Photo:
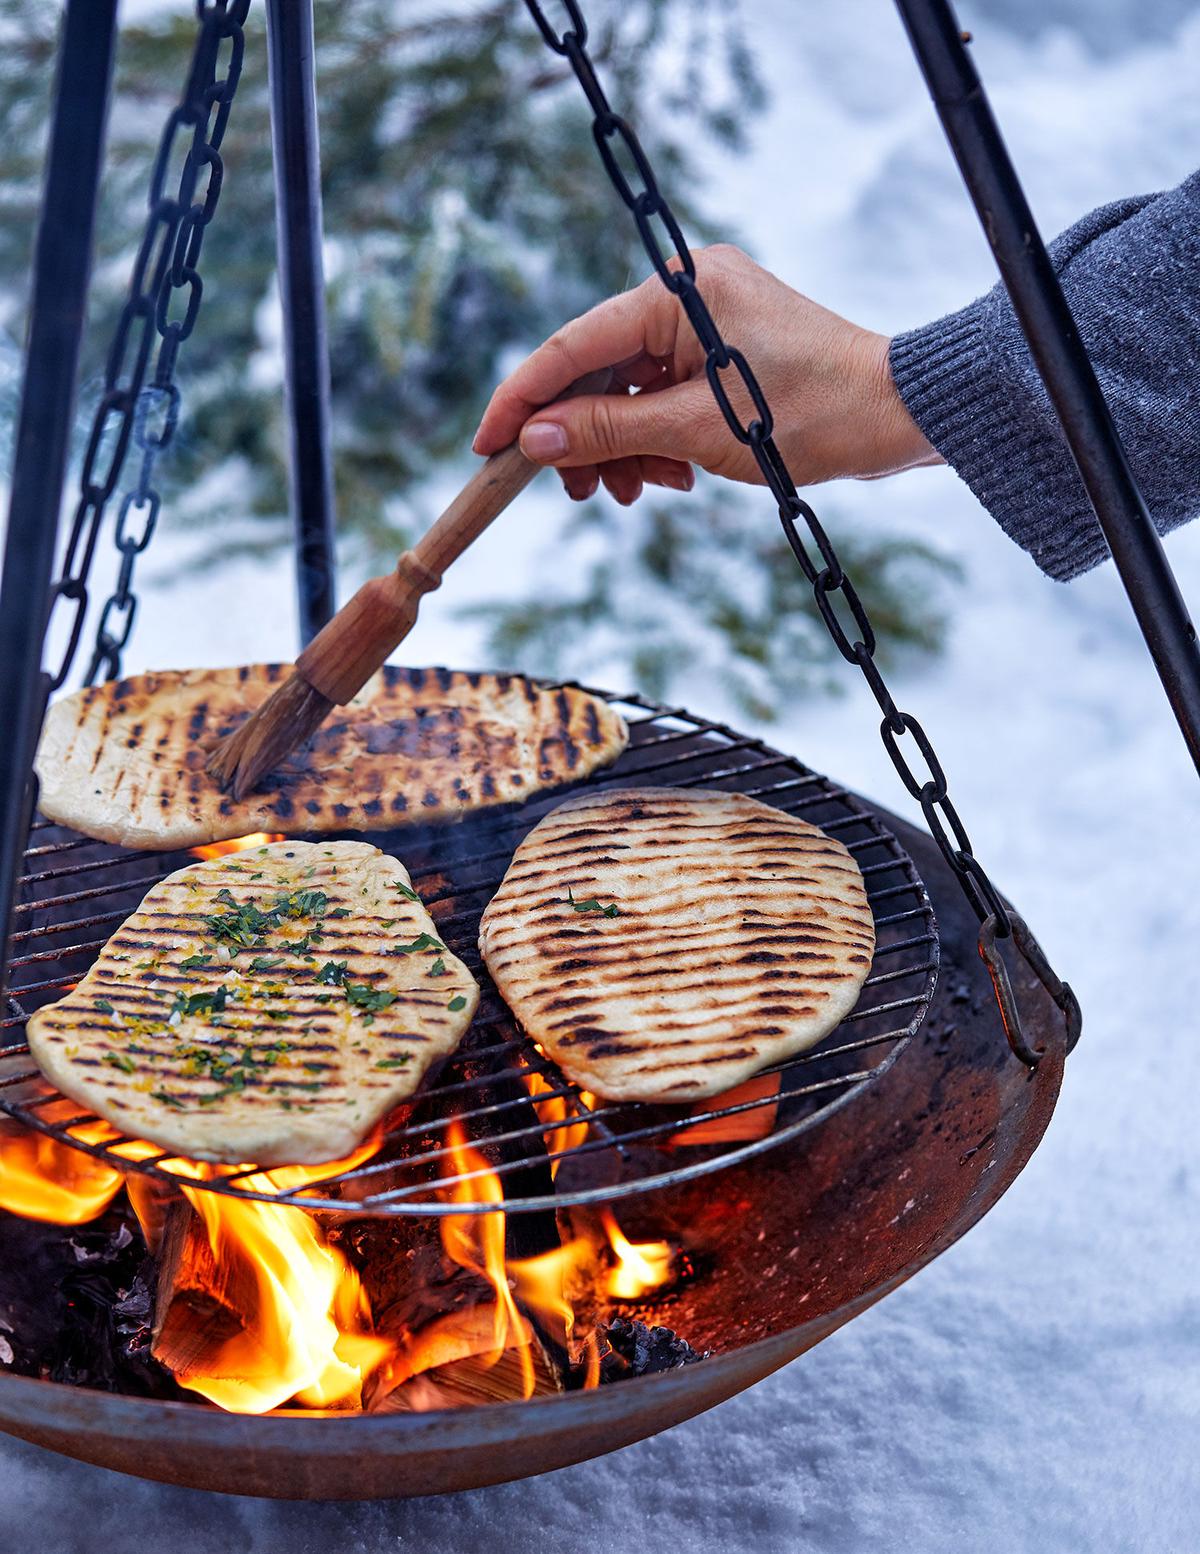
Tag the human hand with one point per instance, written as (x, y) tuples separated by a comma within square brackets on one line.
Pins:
[(836, 409)]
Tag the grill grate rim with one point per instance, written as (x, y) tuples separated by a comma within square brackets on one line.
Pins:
[(906, 934)]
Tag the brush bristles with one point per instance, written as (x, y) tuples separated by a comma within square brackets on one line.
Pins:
[(285, 720)]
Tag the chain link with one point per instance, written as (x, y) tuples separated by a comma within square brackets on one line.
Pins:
[(131, 409), (646, 202)]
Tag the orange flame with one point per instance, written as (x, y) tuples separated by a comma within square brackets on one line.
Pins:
[(307, 1336), (304, 1329), (522, 1289), (535, 1285), (236, 844), (639, 1267), (307, 1328), (45, 1180), (476, 1241), (552, 1113)]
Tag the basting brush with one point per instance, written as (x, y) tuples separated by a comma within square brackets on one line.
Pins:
[(343, 656)]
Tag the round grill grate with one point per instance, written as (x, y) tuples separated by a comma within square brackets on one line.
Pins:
[(549, 1144)]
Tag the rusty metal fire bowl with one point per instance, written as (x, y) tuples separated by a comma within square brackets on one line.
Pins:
[(789, 1243)]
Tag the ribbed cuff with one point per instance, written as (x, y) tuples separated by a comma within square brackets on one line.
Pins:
[(956, 392)]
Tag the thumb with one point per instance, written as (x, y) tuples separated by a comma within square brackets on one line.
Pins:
[(596, 428)]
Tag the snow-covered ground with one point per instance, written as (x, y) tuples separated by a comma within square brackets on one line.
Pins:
[(1038, 1388)]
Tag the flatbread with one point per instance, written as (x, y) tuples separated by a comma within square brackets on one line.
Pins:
[(267, 1007), (124, 761), (663, 944)]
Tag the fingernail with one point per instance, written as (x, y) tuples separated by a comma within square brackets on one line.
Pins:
[(543, 441), (680, 481)]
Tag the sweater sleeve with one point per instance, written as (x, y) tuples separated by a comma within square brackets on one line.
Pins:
[(1131, 275)]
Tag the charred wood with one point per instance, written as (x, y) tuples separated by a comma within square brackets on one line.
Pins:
[(76, 1302), (630, 1348)]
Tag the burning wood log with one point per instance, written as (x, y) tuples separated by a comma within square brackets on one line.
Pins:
[(204, 1304), (467, 1359), (200, 1300), (442, 1290), (409, 1280), (151, 1198), (440, 1295), (255, 1308)]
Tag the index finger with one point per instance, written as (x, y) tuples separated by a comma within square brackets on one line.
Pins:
[(636, 323)]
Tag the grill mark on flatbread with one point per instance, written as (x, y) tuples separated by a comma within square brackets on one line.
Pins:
[(415, 746), (742, 935), (288, 1071)]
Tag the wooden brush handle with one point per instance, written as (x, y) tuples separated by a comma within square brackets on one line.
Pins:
[(340, 660)]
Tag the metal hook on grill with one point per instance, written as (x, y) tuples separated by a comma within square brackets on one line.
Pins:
[(1035, 959)]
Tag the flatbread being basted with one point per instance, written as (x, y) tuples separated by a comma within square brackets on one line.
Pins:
[(266, 1007), (124, 761), (663, 944)]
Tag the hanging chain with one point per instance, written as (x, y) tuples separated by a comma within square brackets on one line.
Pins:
[(827, 577), (163, 299)]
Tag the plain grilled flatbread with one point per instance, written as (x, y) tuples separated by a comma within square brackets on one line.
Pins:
[(267, 1007), (664, 944), (125, 761)]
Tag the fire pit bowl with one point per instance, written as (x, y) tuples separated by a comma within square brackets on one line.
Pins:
[(810, 1234)]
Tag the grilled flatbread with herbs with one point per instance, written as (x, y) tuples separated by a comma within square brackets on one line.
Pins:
[(266, 1007), (125, 761), (664, 944)]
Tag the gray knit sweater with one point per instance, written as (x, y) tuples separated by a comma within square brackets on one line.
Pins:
[(1131, 274)]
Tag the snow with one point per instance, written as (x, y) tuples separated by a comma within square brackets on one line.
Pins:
[(1035, 1389)]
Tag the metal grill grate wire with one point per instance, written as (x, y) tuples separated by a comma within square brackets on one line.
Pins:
[(75, 892)]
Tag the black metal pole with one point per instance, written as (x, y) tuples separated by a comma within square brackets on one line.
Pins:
[(62, 262), (1062, 361), (302, 290)]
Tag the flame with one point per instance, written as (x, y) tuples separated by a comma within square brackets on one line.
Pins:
[(521, 1289), (525, 1288), (755, 1122), (292, 1320), (476, 1241), (552, 1113), (307, 1335), (236, 844), (45, 1180), (640, 1267)]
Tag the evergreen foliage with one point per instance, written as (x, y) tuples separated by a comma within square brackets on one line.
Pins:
[(466, 217)]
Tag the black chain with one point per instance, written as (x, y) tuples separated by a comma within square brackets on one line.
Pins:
[(827, 577), (165, 266)]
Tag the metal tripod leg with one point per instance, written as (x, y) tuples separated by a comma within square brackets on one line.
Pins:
[(61, 269), (302, 290), (1062, 361)]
